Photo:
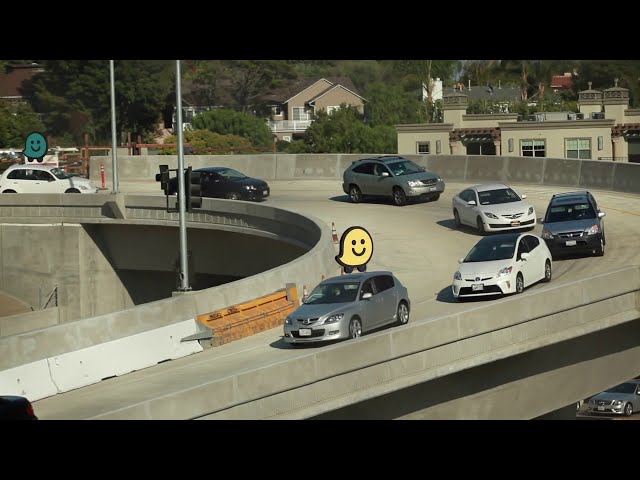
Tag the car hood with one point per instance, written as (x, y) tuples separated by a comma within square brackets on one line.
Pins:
[(610, 396), (506, 208), (483, 269), (419, 176), (249, 181), (320, 310), (571, 226)]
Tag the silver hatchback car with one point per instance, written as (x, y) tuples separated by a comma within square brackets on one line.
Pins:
[(347, 307)]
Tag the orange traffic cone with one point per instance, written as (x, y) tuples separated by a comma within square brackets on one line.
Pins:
[(322, 278), (305, 294), (334, 233)]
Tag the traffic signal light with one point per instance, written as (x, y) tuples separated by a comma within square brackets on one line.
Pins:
[(193, 189), (163, 178)]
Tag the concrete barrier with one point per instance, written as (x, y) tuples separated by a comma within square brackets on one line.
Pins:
[(25, 322), (600, 174)]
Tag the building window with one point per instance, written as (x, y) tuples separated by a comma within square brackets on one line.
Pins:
[(276, 110), (510, 145), (286, 138), (532, 148), (438, 147), (600, 143), (299, 114), (422, 148), (578, 148), (332, 109)]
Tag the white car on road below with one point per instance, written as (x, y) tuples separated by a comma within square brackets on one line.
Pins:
[(502, 264), (43, 179), (492, 207)]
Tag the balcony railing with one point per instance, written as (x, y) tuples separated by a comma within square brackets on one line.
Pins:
[(289, 125)]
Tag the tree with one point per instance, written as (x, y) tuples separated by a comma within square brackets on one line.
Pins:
[(391, 105), (214, 143), (206, 77), (226, 121), (16, 123)]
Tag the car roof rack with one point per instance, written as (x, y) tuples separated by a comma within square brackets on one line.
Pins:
[(571, 194)]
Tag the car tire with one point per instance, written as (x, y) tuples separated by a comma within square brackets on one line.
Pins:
[(547, 272), (232, 196), (399, 197), (355, 194), (72, 190), (9, 191), (402, 315), (456, 218), (600, 250), (355, 328), (435, 198), (480, 226), (628, 409), (519, 283)]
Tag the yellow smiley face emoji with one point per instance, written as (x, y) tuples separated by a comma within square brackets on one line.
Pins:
[(356, 248)]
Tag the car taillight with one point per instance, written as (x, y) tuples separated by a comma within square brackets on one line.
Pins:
[(30, 409)]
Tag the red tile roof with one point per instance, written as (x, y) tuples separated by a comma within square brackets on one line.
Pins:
[(11, 82), (561, 81)]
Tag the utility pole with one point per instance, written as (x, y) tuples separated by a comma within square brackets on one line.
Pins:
[(114, 142), (184, 265)]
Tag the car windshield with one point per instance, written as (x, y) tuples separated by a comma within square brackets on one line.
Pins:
[(404, 167), (570, 212), (61, 174), (231, 173), (487, 251), (499, 195), (623, 388), (333, 292)]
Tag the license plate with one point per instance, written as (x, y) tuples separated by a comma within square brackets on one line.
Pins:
[(571, 243), (265, 192), (515, 224), (477, 286), (432, 189), (304, 332), (600, 408)]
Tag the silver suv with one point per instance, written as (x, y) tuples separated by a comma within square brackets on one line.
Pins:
[(390, 176)]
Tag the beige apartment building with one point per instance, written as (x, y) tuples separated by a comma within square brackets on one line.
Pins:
[(605, 128)]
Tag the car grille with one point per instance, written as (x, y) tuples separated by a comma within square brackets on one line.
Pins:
[(431, 181), (571, 234), (487, 289), (314, 333), (603, 402), (513, 216), (502, 225), (307, 321), (478, 279)]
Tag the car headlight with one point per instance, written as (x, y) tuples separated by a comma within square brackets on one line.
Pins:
[(251, 187), (504, 272), (334, 318), (618, 402), (593, 230), (547, 234), (457, 276), (490, 215), (414, 183), (288, 321), (530, 211), (440, 179)]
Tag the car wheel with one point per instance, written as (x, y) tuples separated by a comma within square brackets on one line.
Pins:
[(519, 283), (355, 194), (403, 314), (399, 197), (355, 328), (480, 226), (547, 272), (600, 250), (456, 219), (72, 190), (628, 409), (232, 196), (435, 198)]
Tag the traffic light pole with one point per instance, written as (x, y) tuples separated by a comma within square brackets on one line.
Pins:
[(184, 265)]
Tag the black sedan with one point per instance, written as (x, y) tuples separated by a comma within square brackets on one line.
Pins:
[(224, 182), (14, 407)]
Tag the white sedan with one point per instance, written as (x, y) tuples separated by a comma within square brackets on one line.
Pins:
[(493, 207), (502, 264)]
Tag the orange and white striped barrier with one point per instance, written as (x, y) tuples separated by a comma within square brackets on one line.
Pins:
[(334, 233)]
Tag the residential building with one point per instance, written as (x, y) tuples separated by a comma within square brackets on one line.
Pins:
[(12, 82), (293, 108), (605, 128)]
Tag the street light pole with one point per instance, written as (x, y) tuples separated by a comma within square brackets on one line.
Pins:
[(184, 266), (114, 143)]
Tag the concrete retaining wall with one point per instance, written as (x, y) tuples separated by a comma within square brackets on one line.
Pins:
[(25, 322), (598, 174)]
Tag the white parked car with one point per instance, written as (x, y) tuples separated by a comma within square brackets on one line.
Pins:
[(493, 207), (43, 179), (502, 264)]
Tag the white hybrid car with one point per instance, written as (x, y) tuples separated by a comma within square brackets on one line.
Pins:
[(43, 179), (502, 264), (493, 207)]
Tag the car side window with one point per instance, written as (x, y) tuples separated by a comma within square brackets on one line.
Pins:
[(366, 168), (367, 287), (532, 242), (42, 175), (467, 195), (16, 175), (522, 248), (383, 282)]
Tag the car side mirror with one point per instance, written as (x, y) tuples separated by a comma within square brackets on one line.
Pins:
[(601, 214), (471, 203), (461, 260), (422, 169), (385, 174), (523, 196), (366, 296), (524, 255), (51, 179)]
